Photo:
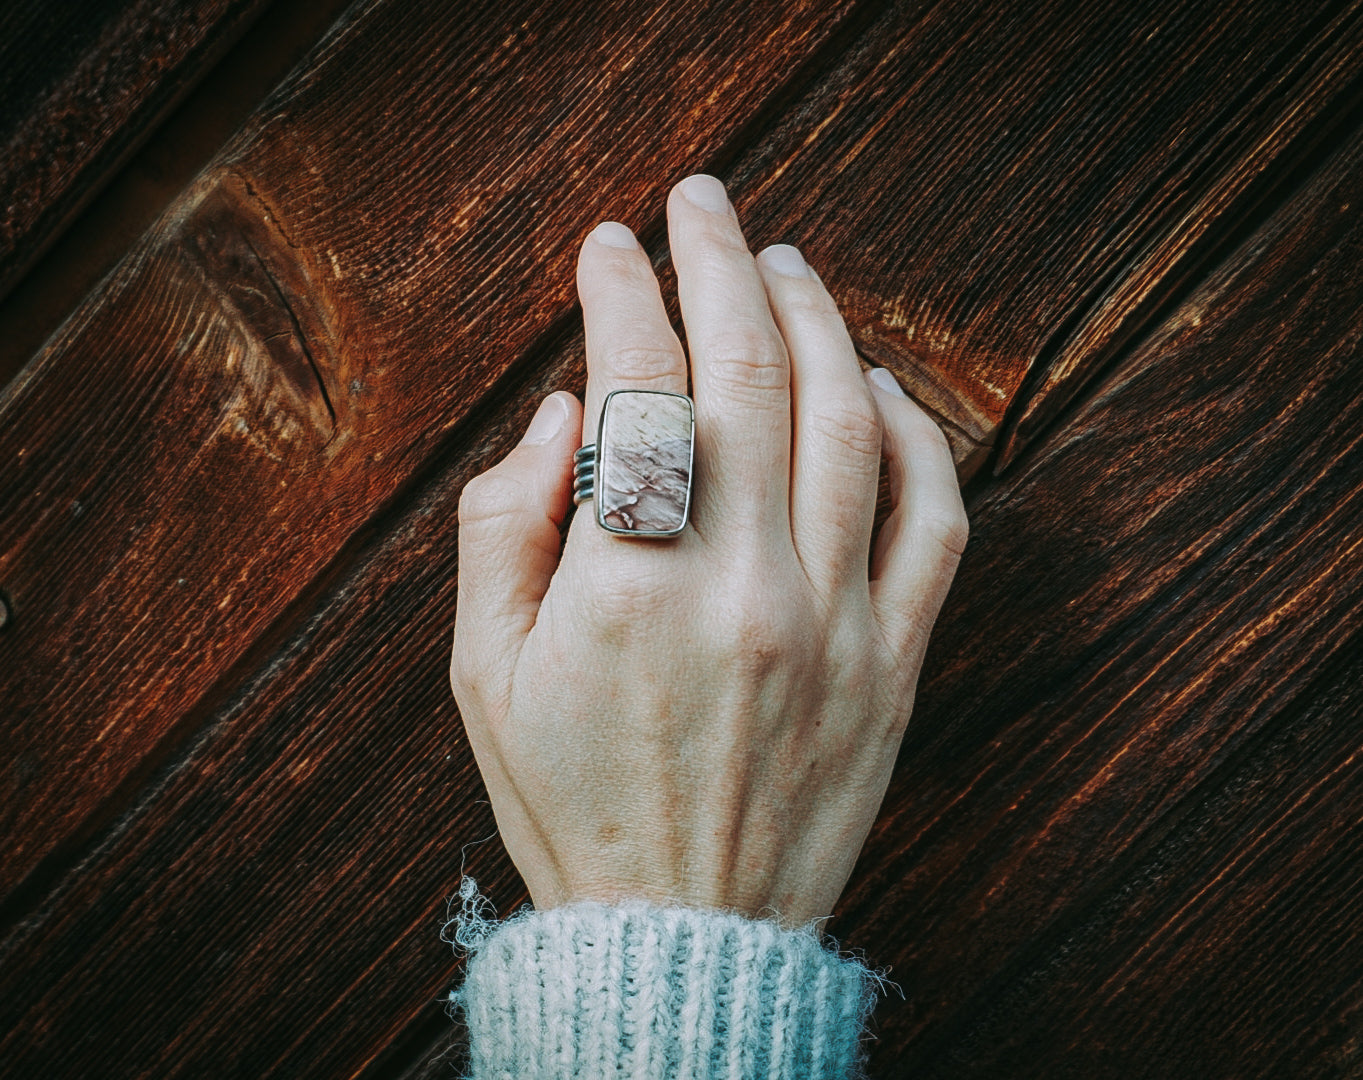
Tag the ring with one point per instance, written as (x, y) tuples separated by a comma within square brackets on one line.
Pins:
[(645, 446)]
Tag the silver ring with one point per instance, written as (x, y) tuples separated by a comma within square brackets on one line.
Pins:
[(584, 469), (645, 449)]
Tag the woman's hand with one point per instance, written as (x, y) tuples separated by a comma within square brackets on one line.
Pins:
[(711, 719)]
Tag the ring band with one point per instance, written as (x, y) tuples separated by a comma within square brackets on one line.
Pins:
[(639, 470), (584, 469)]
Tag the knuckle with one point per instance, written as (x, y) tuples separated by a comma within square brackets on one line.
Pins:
[(489, 496), (949, 528), (848, 425), (618, 603), (755, 632), (722, 242), (643, 363), (752, 638), (748, 359), (924, 429)]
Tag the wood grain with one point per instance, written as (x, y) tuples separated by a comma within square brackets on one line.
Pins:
[(1147, 661), (82, 84), (1122, 838), (1119, 843), (308, 323), (103, 232), (301, 329), (988, 180), (1246, 163)]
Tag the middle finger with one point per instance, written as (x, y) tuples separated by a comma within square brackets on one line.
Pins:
[(740, 370)]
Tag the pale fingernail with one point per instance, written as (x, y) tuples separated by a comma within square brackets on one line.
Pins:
[(613, 234), (706, 192), (787, 260), (886, 381), (548, 421)]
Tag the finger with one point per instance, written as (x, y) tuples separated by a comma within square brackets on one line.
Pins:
[(837, 439), (922, 540), (739, 366), (509, 521), (630, 341)]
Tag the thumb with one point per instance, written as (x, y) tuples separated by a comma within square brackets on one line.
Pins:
[(509, 522)]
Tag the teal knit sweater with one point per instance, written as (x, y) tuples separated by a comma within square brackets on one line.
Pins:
[(590, 991)]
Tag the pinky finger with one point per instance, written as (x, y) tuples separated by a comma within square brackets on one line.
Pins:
[(921, 542)]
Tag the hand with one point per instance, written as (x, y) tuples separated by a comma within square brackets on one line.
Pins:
[(711, 719)]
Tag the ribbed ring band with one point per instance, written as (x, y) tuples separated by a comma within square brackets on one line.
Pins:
[(584, 472)]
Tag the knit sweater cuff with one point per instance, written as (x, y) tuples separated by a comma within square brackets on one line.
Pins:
[(593, 990)]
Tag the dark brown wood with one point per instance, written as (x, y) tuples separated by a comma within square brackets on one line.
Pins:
[(1120, 842), (1321, 79), (116, 218), (308, 323), (82, 83), (302, 328), (991, 179), (1123, 837)]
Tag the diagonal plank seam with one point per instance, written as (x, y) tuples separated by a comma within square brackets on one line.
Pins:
[(200, 720), (1289, 171), (132, 198), (1097, 894), (1123, 636)]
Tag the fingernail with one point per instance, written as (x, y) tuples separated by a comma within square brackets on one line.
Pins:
[(613, 234), (706, 192), (886, 381), (547, 423), (787, 260)]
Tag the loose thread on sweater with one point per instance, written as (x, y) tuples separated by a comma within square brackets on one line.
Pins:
[(471, 926), (466, 929)]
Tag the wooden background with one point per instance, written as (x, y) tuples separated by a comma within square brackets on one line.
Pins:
[(279, 277)]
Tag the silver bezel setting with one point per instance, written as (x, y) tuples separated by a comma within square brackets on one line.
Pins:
[(586, 459)]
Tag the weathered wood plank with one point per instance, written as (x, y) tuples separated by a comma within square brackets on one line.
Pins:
[(82, 83), (302, 328), (1322, 81), (328, 804), (103, 232), (316, 315), (1121, 840), (1129, 773), (990, 178)]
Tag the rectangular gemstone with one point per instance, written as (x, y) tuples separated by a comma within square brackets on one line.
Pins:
[(643, 462)]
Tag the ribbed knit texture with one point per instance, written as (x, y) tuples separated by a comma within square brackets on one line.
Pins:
[(636, 990)]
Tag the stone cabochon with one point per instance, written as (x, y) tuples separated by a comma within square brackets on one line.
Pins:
[(643, 461)]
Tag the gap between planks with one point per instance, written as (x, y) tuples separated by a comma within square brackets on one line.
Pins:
[(1289, 173), (154, 175), (235, 76)]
